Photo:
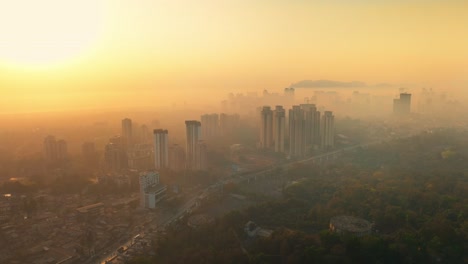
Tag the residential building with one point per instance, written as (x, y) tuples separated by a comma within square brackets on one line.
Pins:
[(193, 131), (328, 130), (176, 158), (210, 126), (296, 132), (311, 126), (161, 151), (266, 128), (151, 191), (140, 157), (279, 128), (127, 132), (402, 105)]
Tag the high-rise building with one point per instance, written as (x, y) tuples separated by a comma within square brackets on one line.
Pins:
[(140, 157), (266, 128), (311, 125), (50, 148), (144, 135), (193, 131), (161, 151), (62, 150), (402, 105), (210, 126), (127, 132), (201, 157), (328, 130), (279, 128), (176, 158), (55, 150), (151, 191), (296, 132), (115, 155)]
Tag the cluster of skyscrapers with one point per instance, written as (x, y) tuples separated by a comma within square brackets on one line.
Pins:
[(55, 150), (303, 127)]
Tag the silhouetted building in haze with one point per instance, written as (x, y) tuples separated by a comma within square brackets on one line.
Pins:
[(266, 128), (328, 130), (402, 105), (209, 126), (193, 131), (127, 132), (176, 158), (279, 128), (55, 150), (296, 132)]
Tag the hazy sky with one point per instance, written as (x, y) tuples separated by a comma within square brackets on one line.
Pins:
[(57, 54)]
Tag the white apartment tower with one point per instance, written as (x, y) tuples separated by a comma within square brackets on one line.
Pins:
[(161, 155)]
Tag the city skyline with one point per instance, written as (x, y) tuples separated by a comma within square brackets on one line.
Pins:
[(54, 59)]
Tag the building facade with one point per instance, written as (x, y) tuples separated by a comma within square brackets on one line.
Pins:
[(279, 128), (209, 126), (193, 131), (296, 132), (402, 105), (151, 191), (161, 150), (127, 132), (266, 128), (328, 130)]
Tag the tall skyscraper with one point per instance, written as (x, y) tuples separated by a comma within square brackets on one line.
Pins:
[(210, 126), (328, 130), (296, 132), (193, 131), (402, 105), (176, 157), (161, 151), (144, 135), (266, 128), (55, 150), (201, 157), (279, 128), (127, 132), (50, 148), (62, 150), (115, 155), (311, 125)]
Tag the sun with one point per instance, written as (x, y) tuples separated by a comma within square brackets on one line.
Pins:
[(47, 32)]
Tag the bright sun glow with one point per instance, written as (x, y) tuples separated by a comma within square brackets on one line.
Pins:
[(47, 31)]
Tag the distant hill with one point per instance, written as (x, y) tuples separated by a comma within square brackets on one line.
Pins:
[(326, 83)]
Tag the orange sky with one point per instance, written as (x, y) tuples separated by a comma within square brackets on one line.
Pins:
[(89, 53)]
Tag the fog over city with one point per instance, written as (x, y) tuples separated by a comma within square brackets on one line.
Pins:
[(233, 132)]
